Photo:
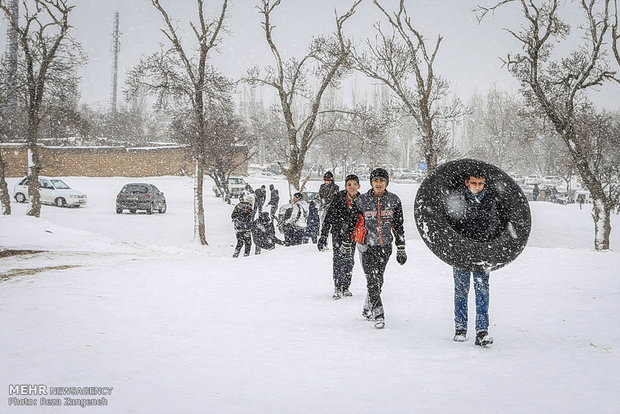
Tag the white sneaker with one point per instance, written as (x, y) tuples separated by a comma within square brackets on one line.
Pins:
[(379, 323), (460, 335), (337, 294)]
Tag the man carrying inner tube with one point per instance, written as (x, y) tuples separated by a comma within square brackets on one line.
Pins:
[(474, 216), (382, 215)]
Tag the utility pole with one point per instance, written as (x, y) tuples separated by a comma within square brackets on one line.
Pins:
[(11, 56), (116, 47)]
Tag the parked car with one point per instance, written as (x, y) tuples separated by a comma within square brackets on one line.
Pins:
[(235, 186), (52, 191), (532, 179), (403, 174), (140, 196)]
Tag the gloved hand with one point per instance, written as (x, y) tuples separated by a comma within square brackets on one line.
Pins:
[(346, 247), (322, 244), (401, 255)]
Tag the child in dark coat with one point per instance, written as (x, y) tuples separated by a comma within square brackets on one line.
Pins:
[(242, 219), (264, 234)]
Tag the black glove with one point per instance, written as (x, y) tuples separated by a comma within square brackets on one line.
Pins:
[(401, 255), (346, 247), (322, 244)]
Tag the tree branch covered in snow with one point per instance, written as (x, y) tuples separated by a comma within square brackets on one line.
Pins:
[(556, 87), (326, 60)]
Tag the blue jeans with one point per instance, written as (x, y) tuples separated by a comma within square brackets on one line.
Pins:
[(461, 290)]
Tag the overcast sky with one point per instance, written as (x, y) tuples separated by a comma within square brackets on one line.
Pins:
[(469, 56)]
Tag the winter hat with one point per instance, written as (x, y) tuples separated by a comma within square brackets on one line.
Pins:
[(271, 186), (352, 177), (380, 173), (298, 195), (328, 176), (248, 199)]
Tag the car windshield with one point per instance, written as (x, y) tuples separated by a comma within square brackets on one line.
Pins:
[(133, 188), (235, 180), (60, 184)]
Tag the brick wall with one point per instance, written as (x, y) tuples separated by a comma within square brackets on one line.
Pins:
[(102, 161)]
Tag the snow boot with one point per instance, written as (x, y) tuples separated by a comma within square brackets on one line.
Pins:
[(380, 322), (460, 335), (483, 338), (346, 292), (337, 293)]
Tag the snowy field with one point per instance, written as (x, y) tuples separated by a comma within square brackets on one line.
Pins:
[(131, 302)]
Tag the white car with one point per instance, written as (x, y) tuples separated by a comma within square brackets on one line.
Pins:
[(53, 191), (236, 185)]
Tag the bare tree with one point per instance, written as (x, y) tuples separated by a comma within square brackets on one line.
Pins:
[(494, 130), (557, 88), (179, 76), (290, 78), (228, 145), (402, 53), (615, 33), (49, 57)]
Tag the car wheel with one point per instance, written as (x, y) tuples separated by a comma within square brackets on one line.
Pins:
[(119, 210), (132, 211), (20, 198), (149, 209), (163, 208), (60, 202)]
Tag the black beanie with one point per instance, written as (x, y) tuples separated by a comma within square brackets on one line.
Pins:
[(380, 173), (351, 177), (328, 176)]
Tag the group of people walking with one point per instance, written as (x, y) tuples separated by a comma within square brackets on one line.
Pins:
[(370, 223)]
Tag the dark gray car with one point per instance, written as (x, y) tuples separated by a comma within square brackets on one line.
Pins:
[(140, 196)]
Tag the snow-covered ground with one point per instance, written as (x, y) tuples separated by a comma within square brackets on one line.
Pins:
[(131, 302)]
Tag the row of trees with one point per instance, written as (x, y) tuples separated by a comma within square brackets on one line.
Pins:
[(196, 96)]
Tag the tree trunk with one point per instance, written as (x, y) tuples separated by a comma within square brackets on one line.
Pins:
[(34, 167), (601, 214), (6, 197), (600, 203), (199, 211)]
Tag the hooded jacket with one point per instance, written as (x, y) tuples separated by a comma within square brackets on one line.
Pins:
[(383, 218)]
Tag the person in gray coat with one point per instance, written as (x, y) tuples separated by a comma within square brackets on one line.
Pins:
[(383, 223)]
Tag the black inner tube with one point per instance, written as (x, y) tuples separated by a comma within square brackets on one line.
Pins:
[(433, 206)]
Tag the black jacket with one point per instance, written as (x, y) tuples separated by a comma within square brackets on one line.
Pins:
[(263, 232), (275, 197), (338, 216), (383, 216), (261, 195), (326, 194), (474, 217), (242, 216)]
